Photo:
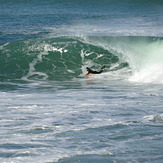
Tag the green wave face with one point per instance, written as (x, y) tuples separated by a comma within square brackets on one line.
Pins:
[(65, 58), (59, 58)]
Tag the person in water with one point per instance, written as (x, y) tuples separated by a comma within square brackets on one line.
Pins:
[(90, 71)]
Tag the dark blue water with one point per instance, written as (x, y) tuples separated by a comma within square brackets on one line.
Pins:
[(31, 19), (49, 111)]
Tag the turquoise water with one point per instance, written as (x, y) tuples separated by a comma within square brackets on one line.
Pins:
[(50, 112)]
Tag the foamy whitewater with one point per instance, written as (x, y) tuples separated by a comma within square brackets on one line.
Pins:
[(50, 112)]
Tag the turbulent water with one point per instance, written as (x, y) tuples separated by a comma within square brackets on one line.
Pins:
[(51, 112)]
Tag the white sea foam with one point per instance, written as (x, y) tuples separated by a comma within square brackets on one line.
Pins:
[(149, 74), (148, 66)]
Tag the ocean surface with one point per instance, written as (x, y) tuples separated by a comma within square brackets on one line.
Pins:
[(50, 112)]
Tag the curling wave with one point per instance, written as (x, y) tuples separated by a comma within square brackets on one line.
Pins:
[(65, 58), (60, 58)]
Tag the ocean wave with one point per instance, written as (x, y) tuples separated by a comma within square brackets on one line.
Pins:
[(65, 58), (58, 58)]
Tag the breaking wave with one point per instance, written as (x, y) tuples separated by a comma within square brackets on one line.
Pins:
[(137, 59)]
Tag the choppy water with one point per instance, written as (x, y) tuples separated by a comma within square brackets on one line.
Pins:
[(49, 112)]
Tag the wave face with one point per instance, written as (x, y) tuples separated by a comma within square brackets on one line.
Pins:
[(59, 58), (65, 58)]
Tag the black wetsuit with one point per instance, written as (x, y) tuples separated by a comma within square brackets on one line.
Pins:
[(90, 71)]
